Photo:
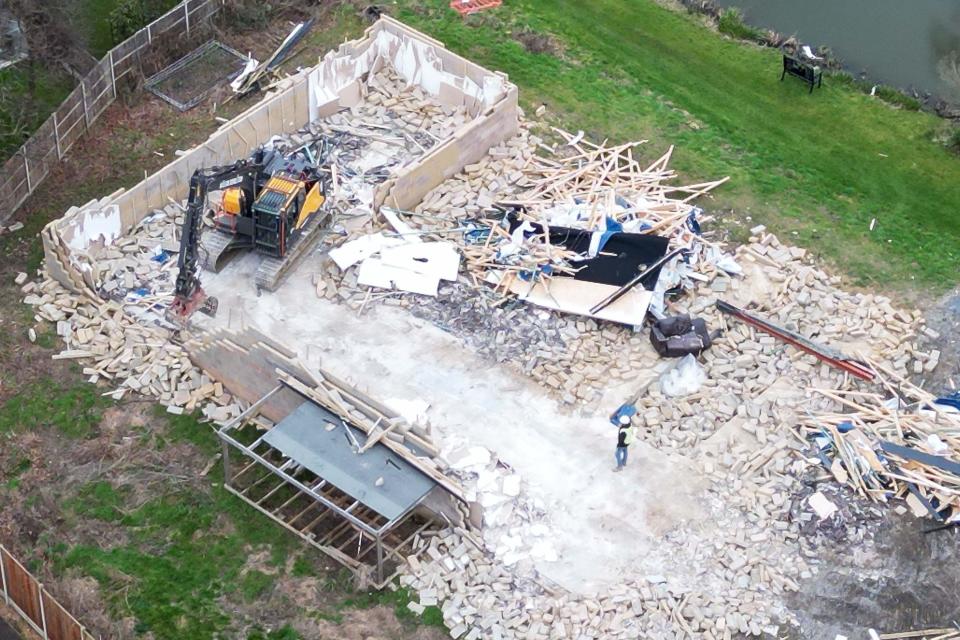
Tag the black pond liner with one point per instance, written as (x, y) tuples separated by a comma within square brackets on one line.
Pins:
[(629, 254)]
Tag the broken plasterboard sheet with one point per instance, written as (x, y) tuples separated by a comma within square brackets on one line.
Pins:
[(374, 273), (89, 226), (352, 252), (579, 296), (438, 259), (413, 410)]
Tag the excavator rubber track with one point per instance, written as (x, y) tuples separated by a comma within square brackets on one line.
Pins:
[(272, 270), (216, 247)]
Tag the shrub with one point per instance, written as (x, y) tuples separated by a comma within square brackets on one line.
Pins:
[(896, 97), (953, 140), (129, 16)]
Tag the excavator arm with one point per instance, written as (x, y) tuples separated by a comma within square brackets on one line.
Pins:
[(188, 294)]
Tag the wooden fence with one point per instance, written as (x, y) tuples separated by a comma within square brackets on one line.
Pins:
[(26, 169), (26, 596)]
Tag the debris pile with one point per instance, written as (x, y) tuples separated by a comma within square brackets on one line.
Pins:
[(569, 232), (123, 353), (526, 226), (390, 127), (124, 283), (899, 444)]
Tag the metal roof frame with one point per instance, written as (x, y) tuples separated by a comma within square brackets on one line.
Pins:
[(273, 476)]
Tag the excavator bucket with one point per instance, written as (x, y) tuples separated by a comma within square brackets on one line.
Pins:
[(311, 205)]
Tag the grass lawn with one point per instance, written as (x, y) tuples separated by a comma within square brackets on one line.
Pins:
[(183, 558), (95, 24), (815, 168)]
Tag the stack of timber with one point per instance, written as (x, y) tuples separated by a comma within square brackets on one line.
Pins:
[(586, 183)]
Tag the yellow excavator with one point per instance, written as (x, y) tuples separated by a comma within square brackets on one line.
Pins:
[(271, 203)]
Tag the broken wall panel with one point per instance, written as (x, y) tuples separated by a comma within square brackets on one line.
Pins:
[(466, 147)]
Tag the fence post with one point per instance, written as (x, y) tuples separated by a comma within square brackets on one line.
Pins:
[(43, 615), (113, 77), (149, 35), (186, 15), (26, 167), (3, 578), (83, 101), (56, 135)]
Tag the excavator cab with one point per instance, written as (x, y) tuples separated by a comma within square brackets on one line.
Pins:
[(275, 213), (269, 202), (232, 207)]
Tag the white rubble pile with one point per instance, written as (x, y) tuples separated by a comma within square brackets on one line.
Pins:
[(513, 527)]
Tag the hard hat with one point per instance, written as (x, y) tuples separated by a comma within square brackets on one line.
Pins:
[(624, 419)]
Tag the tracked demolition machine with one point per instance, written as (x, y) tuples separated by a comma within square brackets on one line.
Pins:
[(271, 203)]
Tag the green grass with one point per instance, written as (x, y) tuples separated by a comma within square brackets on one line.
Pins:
[(341, 582), (815, 168), (188, 428), (953, 140), (180, 559), (99, 500), (186, 552), (74, 410), (180, 562), (255, 584), (95, 24), (13, 474), (283, 633), (94, 20)]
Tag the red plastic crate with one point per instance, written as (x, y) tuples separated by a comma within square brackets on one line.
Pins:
[(466, 7)]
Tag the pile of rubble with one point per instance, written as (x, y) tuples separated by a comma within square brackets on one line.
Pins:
[(736, 427), (901, 446), (117, 349)]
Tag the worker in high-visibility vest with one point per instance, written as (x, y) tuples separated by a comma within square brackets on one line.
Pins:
[(626, 433)]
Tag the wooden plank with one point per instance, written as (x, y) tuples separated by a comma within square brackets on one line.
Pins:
[(60, 624)]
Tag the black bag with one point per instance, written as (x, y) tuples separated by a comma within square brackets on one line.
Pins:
[(677, 336)]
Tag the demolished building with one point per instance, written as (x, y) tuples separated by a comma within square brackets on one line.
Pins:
[(491, 504)]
